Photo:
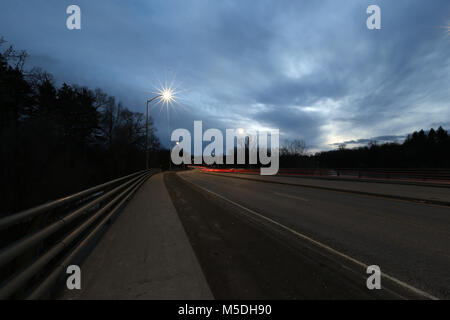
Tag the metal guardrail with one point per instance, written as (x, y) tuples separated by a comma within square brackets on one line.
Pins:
[(69, 235), (380, 173), (424, 175)]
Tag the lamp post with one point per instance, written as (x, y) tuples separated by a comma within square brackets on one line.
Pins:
[(164, 95)]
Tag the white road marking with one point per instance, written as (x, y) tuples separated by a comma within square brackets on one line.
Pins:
[(323, 246), (289, 196)]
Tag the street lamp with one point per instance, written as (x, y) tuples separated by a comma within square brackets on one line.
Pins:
[(165, 95)]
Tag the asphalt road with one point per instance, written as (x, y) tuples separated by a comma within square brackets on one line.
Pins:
[(264, 240)]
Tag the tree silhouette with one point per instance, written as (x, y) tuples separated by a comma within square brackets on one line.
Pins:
[(56, 141)]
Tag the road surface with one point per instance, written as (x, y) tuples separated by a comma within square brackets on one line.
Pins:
[(266, 240)]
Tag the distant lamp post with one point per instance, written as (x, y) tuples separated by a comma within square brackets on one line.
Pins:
[(165, 95)]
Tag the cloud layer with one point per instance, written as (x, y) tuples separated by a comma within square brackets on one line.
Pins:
[(310, 68)]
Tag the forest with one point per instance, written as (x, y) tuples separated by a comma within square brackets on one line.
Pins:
[(430, 149), (57, 140), (422, 149)]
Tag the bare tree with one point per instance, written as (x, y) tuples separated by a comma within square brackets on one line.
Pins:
[(11, 54), (110, 112), (38, 77), (296, 147)]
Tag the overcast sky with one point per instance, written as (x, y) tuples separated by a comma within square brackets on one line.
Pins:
[(310, 68)]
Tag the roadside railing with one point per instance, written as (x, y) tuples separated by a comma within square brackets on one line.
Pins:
[(430, 175), (43, 241), (441, 176)]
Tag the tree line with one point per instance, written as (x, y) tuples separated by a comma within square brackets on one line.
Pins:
[(57, 140), (420, 149)]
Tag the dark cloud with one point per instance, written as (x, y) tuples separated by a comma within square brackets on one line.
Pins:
[(292, 121), (310, 68), (380, 139)]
